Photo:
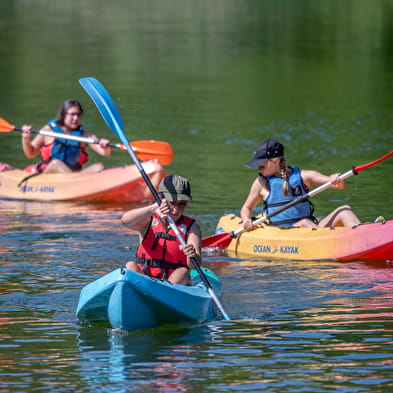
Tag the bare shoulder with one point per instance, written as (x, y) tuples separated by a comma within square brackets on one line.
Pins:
[(46, 127), (310, 177), (139, 228), (309, 174), (259, 184), (195, 228), (261, 181), (44, 139), (88, 134)]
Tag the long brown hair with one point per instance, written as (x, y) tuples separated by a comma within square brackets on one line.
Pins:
[(64, 109)]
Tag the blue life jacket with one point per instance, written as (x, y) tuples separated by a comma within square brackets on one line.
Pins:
[(67, 150), (277, 199)]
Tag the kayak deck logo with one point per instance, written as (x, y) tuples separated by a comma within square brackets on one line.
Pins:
[(266, 249), (36, 189)]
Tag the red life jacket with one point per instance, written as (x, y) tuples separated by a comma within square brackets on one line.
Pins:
[(159, 254), (46, 153)]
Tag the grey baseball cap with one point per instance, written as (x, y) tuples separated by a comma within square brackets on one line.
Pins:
[(175, 188)]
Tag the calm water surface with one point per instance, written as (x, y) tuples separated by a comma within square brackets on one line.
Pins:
[(296, 326), (213, 78)]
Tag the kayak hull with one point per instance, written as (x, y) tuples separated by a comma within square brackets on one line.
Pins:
[(120, 184), (127, 300), (368, 241)]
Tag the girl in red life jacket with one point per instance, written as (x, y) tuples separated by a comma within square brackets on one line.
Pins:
[(160, 253), (67, 157)]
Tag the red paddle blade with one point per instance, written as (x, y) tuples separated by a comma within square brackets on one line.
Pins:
[(222, 240), (365, 166), (5, 126), (150, 149)]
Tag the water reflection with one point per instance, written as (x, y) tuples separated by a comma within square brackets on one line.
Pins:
[(161, 359), (39, 229), (309, 323), (21, 207), (297, 285)]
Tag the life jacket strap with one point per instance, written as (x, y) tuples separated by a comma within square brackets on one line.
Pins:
[(162, 235), (25, 179), (163, 265)]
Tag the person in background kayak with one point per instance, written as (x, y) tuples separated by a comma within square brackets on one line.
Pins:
[(61, 155), (160, 253), (279, 184)]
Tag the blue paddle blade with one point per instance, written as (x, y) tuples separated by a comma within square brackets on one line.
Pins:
[(105, 105), (111, 115)]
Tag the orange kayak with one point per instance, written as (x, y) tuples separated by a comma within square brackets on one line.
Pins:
[(368, 241), (120, 184)]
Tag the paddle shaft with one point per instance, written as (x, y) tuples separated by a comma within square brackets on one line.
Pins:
[(178, 234), (112, 117), (71, 137)]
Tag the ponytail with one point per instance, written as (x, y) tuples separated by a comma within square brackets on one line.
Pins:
[(283, 169)]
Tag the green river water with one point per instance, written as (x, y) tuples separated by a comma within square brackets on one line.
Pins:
[(212, 78)]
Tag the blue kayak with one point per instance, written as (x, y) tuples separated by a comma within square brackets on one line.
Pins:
[(128, 300)]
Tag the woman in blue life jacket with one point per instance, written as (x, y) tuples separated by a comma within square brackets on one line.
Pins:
[(160, 253), (279, 184), (61, 155)]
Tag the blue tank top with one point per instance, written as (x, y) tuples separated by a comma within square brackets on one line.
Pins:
[(277, 199)]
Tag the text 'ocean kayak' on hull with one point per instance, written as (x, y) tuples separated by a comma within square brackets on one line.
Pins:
[(124, 299), (120, 184), (368, 241)]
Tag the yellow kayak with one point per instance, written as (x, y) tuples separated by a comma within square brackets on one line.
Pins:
[(369, 241)]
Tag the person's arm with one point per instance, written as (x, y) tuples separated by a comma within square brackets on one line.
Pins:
[(193, 246), (138, 219), (30, 148), (254, 197), (101, 148), (311, 177)]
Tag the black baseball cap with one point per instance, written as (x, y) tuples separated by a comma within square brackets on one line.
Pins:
[(267, 149)]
